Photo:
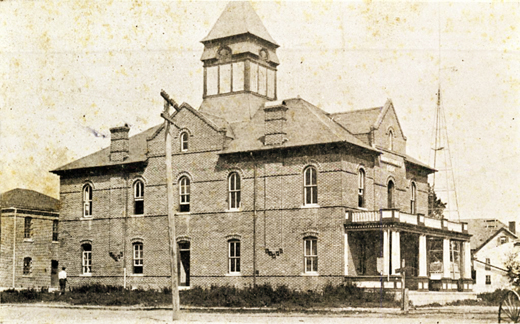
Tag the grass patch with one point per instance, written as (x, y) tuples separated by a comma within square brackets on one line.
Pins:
[(280, 297), (483, 299)]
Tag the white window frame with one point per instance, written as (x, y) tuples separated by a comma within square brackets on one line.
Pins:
[(138, 257), (138, 196), (413, 199), (234, 254), (234, 191), (27, 266), (184, 141), (310, 255), (361, 188), (27, 228), (87, 200), (184, 194), (86, 259), (310, 189), (55, 231)]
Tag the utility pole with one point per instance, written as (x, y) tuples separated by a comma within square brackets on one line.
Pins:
[(171, 215)]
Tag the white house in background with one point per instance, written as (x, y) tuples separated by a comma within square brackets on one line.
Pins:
[(492, 243)]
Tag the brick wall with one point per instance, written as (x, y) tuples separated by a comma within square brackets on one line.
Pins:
[(39, 247)]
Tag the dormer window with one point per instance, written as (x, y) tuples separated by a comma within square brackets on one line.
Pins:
[(184, 141)]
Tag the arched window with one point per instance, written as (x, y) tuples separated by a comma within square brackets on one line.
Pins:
[(27, 266), (413, 198), (234, 256), (27, 233), (55, 231), (184, 194), (138, 257), (138, 198), (234, 191), (310, 254), (390, 194), (184, 141), (361, 188), (390, 140), (310, 186), (87, 200), (86, 258)]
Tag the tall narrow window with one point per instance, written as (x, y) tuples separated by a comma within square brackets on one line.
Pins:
[(27, 233), (413, 198), (55, 231), (488, 263), (86, 258), (27, 266), (138, 198), (138, 258), (184, 194), (361, 188), (234, 190), (390, 140), (184, 141), (87, 200), (390, 194), (488, 280), (311, 255), (310, 186), (234, 256)]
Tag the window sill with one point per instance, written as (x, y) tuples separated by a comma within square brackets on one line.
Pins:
[(56, 242), (137, 275), (310, 206), (234, 274), (234, 210), (86, 217), (137, 215), (28, 240), (182, 213), (310, 274), (86, 275), (27, 276), (362, 208)]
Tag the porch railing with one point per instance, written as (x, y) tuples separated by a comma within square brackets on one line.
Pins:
[(396, 216)]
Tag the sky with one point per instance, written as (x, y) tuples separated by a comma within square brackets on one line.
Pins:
[(71, 70)]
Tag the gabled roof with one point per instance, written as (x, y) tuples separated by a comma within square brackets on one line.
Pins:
[(28, 199), (484, 230), (306, 125), (362, 121), (137, 153), (238, 18)]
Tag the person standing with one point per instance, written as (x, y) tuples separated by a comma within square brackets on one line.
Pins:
[(62, 276)]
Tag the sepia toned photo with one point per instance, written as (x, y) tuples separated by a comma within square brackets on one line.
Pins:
[(259, 162)]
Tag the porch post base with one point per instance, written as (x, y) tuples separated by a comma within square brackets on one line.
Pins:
[(423, 284), (467, 284), (448, 284)]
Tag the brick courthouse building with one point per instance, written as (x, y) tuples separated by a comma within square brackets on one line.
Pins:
[(267, 190)]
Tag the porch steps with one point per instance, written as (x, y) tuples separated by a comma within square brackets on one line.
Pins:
[(419, 298)]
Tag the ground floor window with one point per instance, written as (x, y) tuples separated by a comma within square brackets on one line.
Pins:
[(86, 258), (311, 255), (234, 256), (138, 258), (488, 280), (27, 266)]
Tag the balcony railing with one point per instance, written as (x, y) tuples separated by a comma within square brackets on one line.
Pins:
[(396, 216)]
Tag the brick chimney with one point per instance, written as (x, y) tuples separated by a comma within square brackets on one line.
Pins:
[(512, 227), (275, 122), (119, 143)]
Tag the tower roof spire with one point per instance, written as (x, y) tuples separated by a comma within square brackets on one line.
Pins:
[(238, 18)]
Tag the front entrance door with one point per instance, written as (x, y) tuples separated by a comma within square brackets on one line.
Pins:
[(54, 273), (184, 263)]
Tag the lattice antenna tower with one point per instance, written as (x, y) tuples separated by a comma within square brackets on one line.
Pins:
[(443, 181)]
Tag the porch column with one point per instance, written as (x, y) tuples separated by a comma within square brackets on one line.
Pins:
[(346, 254), (386, 252), (422, 256), (396, 251), (466, 265), (446, 258)]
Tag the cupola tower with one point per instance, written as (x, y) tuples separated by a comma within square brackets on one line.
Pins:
[(239, 64)]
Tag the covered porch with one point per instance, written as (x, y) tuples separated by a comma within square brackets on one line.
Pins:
[(435, 253)]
